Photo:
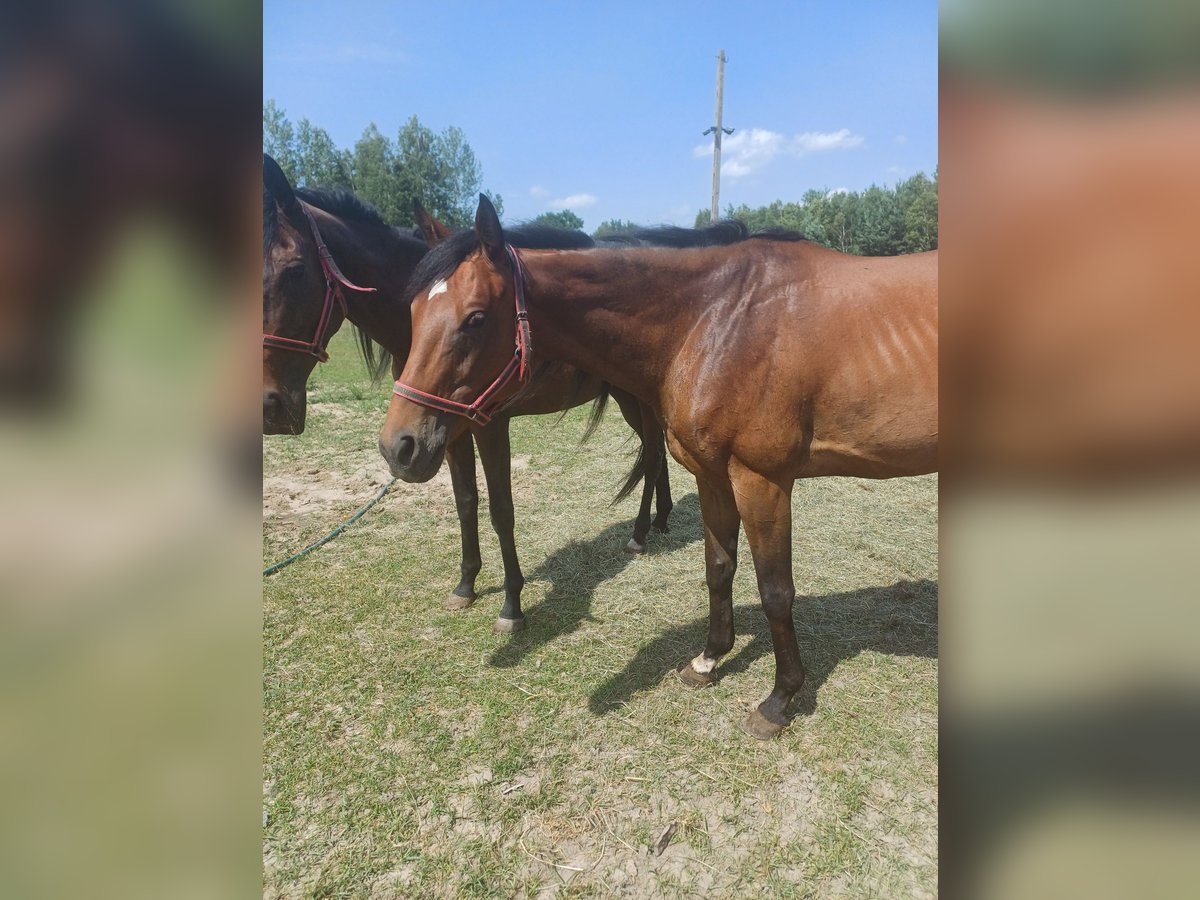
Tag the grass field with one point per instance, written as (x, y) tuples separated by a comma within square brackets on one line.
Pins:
[(411, 752)]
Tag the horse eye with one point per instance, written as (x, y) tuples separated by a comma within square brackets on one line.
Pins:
[(474, 320)]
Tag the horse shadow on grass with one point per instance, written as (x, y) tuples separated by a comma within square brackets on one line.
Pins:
[(578, 568), (898, 619)]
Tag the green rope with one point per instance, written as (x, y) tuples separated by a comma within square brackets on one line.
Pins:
[(271, 570)]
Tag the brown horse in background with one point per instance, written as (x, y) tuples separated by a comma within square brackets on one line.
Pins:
[(767, 360), (300, 315)]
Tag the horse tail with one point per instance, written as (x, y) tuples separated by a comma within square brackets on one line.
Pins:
[(377, 357), (637, 475), (597, 413)]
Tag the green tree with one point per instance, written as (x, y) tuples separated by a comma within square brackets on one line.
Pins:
[(880, 225), (374, 163), (279, 139), (318, 160), (918, 202), (441, 171), (613, 226), (878, 222), (562, 219)]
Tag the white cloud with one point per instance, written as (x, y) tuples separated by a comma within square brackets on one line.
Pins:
[(900, 139), (748, 151), (538, 191), (817, 141), (837, 190), (573, 202)]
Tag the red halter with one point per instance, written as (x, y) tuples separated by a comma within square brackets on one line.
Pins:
[(485, 405), (334, 281)]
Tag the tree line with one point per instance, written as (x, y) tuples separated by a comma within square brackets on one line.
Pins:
[(880, 221), (439, 169)]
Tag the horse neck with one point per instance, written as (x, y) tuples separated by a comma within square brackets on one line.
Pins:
[(621, 315), (378, 258)]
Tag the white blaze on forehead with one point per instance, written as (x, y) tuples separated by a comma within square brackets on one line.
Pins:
[(439, 287)]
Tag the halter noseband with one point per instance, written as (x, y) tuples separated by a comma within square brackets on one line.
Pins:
[(486, 405), (334, 281)]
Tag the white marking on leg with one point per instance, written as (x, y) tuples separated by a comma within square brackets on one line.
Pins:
[(703, 664), (634, 546), (439, 287)]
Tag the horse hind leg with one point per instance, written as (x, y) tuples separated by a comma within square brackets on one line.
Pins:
[(641, 525), (460, 458), (637, 416), (495, 453), (720, 563), (663, 483)]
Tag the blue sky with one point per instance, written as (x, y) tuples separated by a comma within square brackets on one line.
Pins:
[(600, 106)]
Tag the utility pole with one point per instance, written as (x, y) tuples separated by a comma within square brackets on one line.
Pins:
[(716, 131)]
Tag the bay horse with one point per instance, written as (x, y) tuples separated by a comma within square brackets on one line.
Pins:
[(307, 236), (767, 360)]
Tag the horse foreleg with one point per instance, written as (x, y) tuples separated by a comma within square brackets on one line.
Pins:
[(495, 454), (720, 563), (766, 510), (460, 458)]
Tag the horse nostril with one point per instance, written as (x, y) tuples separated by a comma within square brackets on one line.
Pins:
[(399, 452), (406, 450), (271, 403)]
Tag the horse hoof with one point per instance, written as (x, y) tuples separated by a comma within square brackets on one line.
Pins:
[(760, 727), (509, 626), (634, 547), (454, 601), (662, 527), (694, 679)]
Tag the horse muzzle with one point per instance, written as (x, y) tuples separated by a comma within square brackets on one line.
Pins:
[(412, 456), (281, 415)]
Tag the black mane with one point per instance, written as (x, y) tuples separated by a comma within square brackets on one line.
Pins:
[(442, 260), (343, 204), (777, 234), (727, 231), (336, 201), (270, 219)]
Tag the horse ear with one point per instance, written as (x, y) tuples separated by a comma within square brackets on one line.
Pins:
[(275, 183), (431, 229), (488, 229)]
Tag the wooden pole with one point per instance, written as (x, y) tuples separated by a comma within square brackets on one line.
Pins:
[(716, 193)]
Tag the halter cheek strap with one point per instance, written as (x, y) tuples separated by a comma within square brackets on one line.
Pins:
[(334, 282), (486, 405)]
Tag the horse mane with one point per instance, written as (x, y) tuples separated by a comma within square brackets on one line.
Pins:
[(342, 203), (727, 231), (443, 259), (777, 234), (270, 219)]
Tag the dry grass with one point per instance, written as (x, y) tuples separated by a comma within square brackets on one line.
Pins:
[(410, 752)]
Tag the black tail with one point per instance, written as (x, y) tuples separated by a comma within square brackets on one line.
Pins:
[(597, 413), (637, 475), (377, 358)]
